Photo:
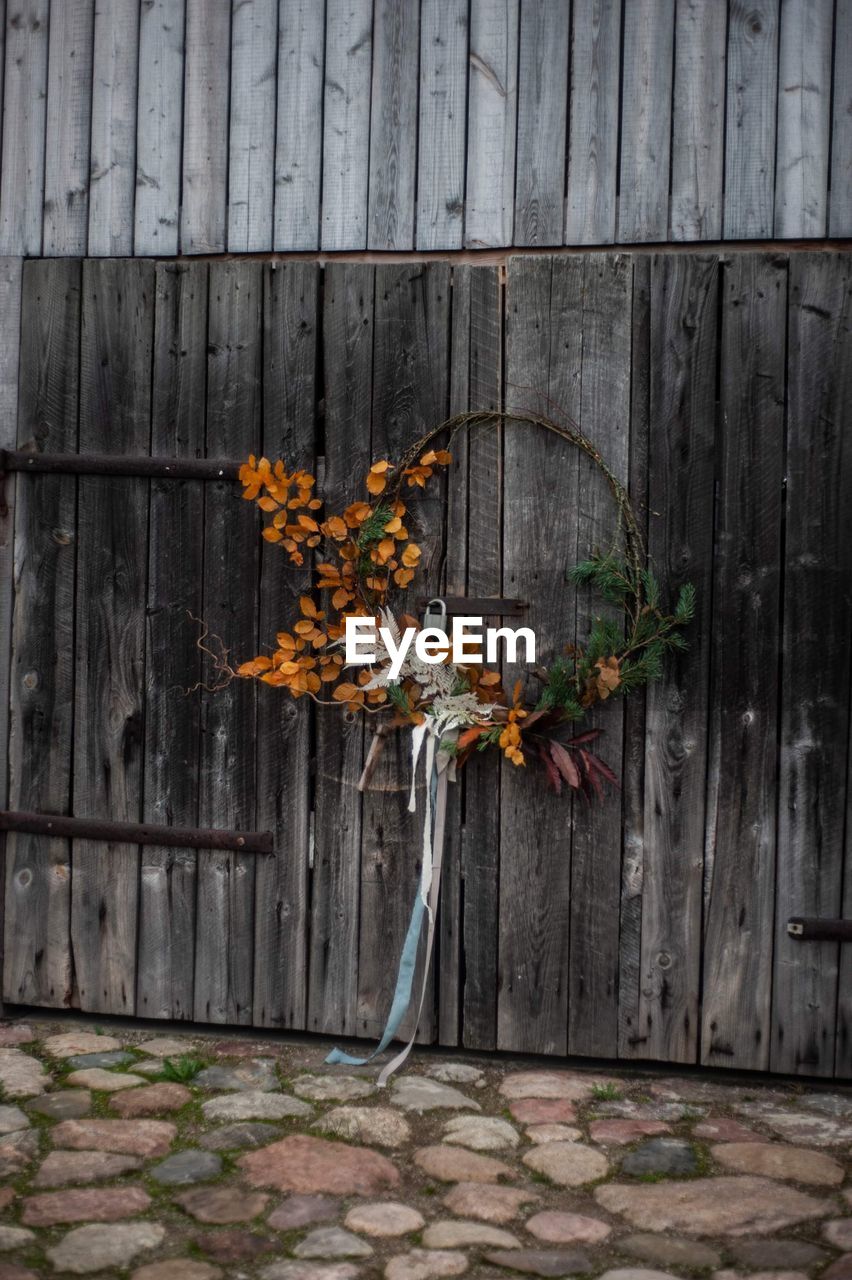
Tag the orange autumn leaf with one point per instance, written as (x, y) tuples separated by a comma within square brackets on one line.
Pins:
[(309, 609), (271, 534), (335, 528), (267, 504), (411, 555), (376, 483), (402, 577), (255, 666)]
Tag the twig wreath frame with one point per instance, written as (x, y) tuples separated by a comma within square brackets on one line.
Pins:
[(370, 552)]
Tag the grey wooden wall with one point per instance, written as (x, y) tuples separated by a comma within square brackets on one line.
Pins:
[(158, 127), (649, 926)]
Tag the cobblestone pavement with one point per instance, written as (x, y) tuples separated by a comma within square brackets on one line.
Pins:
[(164, 1157)]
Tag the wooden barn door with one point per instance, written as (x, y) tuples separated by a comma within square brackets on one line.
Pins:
[(652, 925)]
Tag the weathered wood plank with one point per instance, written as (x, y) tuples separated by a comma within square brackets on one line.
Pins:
[(643, 209), (24, 102), (491, 122), (448, 968), (298, 144), (346, 123), (817, 624), (750, 120), (251, 140), (590, 205), (348, 362), (698, 121), (840, 202), (224, 962), (410, 393), (443, 116), (115, 393), (112, 176), (11, 272), (393, 125), (684, 296), (204, 198), (542, 112), (159, 127), (481, 831), (633, 776), (284, 726), (743, 719), (543, 358), (38, 966), (596, 849), (67, 138), (804, 119), (173, 664)]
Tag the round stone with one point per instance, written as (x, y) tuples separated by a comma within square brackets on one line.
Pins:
[(463, 1235), (61, 1168), (304, 1211), (417, 1093), (486, 1202), (20, 1075), (332, 1242), (253, 1076), (724, 1129), (14, 1238), (66, 1104), (302, 1163), (98, 1248), (222, 1205), (618, 1133), (776, 1253), (377, 1126), (234, 1246), (543, 1111), (104, 1081), (668, 1251), (16, 1033), (147, 1138), (636, 1273), (542, 1262), (776, 1160), (387, 1218), (255, 1105), (187, 1167), (151, 1100), (481, 1133), (115, 1058), (455, 1073), (670, 1156), (841, 1269), (555, 1227), (177, 1269), (166, 1047), (455, 1164), (426, 1264), (331, 1088), (235, 1137), (541, 1133), (310, 1271), (71, 1043), (84, 1204), (569, 1164), (12, 1119), (839, 1233), (567, 1085), (724, 1206)]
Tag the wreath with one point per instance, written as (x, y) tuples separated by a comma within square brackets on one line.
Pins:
[(368, 553)]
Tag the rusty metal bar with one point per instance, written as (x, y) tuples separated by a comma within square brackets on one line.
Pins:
[(812, 930), (107, 464), (49, 824)]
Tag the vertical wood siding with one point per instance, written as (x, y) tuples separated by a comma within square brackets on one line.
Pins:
[(159, 127)]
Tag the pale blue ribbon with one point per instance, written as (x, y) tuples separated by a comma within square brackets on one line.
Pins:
[(405, 975)]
